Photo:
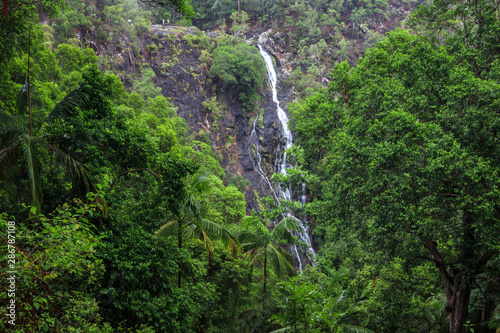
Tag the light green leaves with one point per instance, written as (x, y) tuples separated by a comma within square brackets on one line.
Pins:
[(240, 70)]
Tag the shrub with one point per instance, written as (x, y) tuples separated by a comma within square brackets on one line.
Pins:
[(239, 69)]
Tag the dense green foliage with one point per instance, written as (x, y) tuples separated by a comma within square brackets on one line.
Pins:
[(314, 34), (406, 146), (240, 69), (84, 257), (125, 220)]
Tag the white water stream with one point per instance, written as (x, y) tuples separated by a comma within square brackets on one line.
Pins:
[(300, 255)]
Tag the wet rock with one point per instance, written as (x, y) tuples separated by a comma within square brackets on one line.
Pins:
[(182, 77), (246, 162)]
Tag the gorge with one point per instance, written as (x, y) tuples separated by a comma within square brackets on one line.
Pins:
[(255, 166)]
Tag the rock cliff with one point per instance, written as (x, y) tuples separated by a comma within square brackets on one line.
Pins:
[(180, 58)]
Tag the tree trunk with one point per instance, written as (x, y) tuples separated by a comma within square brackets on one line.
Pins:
[(239, 7), (29, 88), (264, 292), (5, 10), (459, 303), (179, 241), (457, 290), (457, 285), (458, 282)]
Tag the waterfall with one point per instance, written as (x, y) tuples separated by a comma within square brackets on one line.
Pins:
[(300, 256)]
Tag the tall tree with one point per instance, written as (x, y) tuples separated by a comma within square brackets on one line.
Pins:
[(415, 160), (24, 138), (264, 243), (188, 221)]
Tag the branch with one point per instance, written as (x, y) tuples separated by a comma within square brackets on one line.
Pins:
[(487, 278), (484, 259), (438, 258)]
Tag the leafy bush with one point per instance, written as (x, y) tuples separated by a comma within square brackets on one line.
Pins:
[(56, 272), (72, 58), (239, 69)]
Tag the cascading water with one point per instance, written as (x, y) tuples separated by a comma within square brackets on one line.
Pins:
[(300, 255)]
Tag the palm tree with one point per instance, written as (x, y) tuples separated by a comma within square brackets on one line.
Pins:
[(262, 242), (189, 221), (23, 138)]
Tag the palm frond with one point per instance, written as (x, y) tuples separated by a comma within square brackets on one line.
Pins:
[(207, 230), (254, 224), (201, 182), (337, 276), (355, 329), (495, 319), (340, 297), (11, 138), (67, 105), (8, 158), (169, 228), (209, 246), (9, 168), (281, 330), (77, 170), (192, 206), (29, 151), (281, 260), (215, 4), (10, 126), (284, 226), (249, 221), (249, 240)]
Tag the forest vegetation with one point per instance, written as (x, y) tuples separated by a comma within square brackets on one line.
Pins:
[(119, 211)]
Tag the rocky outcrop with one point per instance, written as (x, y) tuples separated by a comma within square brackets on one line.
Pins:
[(276, 43), (182, 72), (180, 58)]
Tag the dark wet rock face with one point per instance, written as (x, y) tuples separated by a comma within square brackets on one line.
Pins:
[(188, 85), (180, 59)]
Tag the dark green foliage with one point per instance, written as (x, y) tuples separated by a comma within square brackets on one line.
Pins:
[(43, 66), (400, 155), (314, 302), (240, 70), (58, 274), (140, 281), (105, 136), (239, 182), (230, 277), (17, 16), (313, 120), (182, 5), (411, 161), (25, 145)]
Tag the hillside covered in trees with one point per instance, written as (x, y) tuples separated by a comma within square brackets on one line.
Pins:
[(149, 184)]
